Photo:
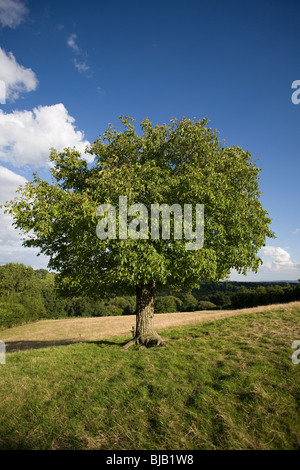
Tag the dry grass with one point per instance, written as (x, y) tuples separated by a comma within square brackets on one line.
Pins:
[(57, 332)]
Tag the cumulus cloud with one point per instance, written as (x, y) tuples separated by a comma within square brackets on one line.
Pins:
[(294, 232), (276, 258), (9, 182), (17, 79), (10, 238), (12, 13), (27, 136), (11, 249)]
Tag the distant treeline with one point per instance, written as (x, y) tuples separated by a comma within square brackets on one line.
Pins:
[(28, 295)]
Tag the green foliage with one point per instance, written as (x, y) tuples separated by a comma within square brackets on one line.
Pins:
[(189, 302), (182, 162), (84, 307), (167, 304), (205, 305), (14, 278), (55, 305), (21, 297), (126, 304), (17, 309), (13, 313), (28, 295)]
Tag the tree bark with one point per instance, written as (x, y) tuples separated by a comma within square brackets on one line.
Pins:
[(145, 333)]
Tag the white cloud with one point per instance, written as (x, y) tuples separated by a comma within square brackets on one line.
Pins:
[(27, 136), (72, 43), (277, 266), (9, 182), (81, 66), (296, 231), (17, 79), (11, 249), (12, 13), (9, 236), (277, 259), (27, 256)]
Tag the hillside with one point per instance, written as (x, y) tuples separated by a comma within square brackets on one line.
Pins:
[(226, 384), (28, 295), (57, 332)]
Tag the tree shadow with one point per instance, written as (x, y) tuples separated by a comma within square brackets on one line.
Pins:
[(14, 346)]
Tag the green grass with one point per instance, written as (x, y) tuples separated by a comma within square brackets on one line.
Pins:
[(229, 384)]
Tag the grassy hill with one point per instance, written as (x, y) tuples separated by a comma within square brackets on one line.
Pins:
[(226, 384)]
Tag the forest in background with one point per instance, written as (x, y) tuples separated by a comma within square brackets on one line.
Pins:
[(28, 295)]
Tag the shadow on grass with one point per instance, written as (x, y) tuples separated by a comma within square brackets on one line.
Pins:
[(14, 346)]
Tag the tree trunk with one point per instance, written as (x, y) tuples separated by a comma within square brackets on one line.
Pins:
[(145, 333)]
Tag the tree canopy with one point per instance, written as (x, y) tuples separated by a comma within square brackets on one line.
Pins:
[(182, 162)]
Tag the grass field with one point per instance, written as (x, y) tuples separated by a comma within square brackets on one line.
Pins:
[(225, 384)]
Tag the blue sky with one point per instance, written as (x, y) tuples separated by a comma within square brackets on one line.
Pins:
[(72, 67)]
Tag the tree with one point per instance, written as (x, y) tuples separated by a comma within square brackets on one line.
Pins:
[(205, 305), (189, 303), (15, 277), (167, 304), (182, 162)]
